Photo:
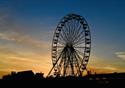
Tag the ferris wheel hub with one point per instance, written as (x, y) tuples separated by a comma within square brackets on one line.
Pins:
[(69, 45)]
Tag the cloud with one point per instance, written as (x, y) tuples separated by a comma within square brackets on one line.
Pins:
[(23, 39), (120, 55), (103, 68), (101, 65), (107, 68)]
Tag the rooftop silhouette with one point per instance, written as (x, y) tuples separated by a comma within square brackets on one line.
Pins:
[(23, 75)]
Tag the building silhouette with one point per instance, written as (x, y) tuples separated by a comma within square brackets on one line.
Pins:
[(23, 75)]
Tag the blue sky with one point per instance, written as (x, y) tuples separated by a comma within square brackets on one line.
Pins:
[(36, 20)]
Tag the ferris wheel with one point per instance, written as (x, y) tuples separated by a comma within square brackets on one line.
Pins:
[(71, 46)]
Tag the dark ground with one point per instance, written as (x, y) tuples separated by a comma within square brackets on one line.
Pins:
[(28, 78)]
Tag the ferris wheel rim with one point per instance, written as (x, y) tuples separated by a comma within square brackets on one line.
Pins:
[(87, 40)]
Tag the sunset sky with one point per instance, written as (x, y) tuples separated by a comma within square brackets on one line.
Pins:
[(27, 28)]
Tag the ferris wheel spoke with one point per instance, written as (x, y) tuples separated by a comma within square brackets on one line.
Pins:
[(60, 47), (63, 38), (60, 51), (54, 64), (80, 39), (77, 65), (64, 32), (78, 43), (70, 35), (79, 30), (60, 64), (76, 33), (73, 31), (69, 31), (66, 62), (78, 57), (79, 52), (73, 27), (61, 42), (76, 24), (76, 30), (79, 36), (67, 28), (79, 47), (70, 27), (76, 37)]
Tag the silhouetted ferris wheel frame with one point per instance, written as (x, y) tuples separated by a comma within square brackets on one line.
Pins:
[(71, 46)]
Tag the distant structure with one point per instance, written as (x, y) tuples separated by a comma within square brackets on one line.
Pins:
[(71, 46), (23, 75)]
